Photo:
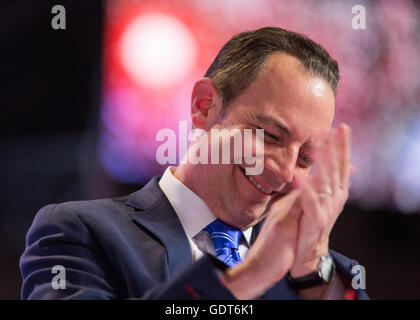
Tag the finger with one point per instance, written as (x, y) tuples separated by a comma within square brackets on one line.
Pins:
[(314, 218), (309, 198), (335, 164), (329, 164), (295, 212), (281, 204), (344, 151), (321, 181)]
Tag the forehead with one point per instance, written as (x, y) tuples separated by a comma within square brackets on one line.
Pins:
[(285, 91)]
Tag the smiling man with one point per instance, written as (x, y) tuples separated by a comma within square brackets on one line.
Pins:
[(210, 231)]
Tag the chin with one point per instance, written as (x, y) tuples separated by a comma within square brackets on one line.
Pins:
[(253, 217), (244, 219)]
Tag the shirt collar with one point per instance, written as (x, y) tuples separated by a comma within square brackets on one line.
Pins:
[(191, 210)]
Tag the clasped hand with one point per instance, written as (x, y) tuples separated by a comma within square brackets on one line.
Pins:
[(296, 230)]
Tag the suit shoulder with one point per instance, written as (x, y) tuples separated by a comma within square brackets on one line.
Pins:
[(78, 214), (96, 206), (342, 259), (85, 207)]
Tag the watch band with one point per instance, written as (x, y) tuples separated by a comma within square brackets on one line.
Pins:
[(308, 281), (313, 279)]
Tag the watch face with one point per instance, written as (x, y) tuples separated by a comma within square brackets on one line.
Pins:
[(326, 267)]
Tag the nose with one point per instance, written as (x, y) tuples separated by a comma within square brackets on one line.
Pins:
[(282, 165)]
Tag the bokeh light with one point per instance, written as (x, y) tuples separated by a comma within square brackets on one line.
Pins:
[(157, 50)]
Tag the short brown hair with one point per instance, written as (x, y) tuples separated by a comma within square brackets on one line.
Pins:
[(238, 63)]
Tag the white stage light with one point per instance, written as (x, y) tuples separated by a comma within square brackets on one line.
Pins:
[(157, 50)]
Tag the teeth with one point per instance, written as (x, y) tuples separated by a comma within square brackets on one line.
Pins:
[(258, 185)]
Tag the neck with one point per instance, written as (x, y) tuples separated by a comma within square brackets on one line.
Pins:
[(183, 175)]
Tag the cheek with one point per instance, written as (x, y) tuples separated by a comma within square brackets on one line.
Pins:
[(225, 145), (218, 178)]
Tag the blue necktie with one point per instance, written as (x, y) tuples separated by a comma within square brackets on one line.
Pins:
[(226, 241)]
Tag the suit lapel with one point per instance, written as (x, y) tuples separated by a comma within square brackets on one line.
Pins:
[(156, 214), (255, 231)]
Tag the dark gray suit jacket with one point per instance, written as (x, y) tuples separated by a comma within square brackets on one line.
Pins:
[(127, 247)]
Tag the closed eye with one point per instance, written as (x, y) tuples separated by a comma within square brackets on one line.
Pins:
[(270, 135), (305, 161)]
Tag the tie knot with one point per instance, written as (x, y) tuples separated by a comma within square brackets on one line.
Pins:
[(224, 235)]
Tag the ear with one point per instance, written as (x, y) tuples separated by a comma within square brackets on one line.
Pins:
[(206, 104)]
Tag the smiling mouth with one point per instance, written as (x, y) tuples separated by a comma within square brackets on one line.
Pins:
[(256, 184), (267, 192)]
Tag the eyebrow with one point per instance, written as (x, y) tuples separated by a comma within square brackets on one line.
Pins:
[(281, 126)]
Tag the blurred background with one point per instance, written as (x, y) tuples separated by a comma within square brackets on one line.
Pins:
[(81, 107)]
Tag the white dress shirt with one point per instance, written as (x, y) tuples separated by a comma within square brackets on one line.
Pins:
[(195, 215)]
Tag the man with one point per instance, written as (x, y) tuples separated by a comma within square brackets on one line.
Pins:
[(161, 241)]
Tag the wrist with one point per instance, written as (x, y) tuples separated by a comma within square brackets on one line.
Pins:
[(320, 277), (302, 269), (244, 283)]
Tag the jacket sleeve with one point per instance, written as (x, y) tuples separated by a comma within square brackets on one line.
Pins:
[(59, 239), (200, 281), (346, 269)]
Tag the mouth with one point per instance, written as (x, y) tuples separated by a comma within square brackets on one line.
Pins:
[(260, 188)]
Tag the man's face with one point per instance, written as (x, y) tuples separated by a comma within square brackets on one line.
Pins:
[(296, 111)]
